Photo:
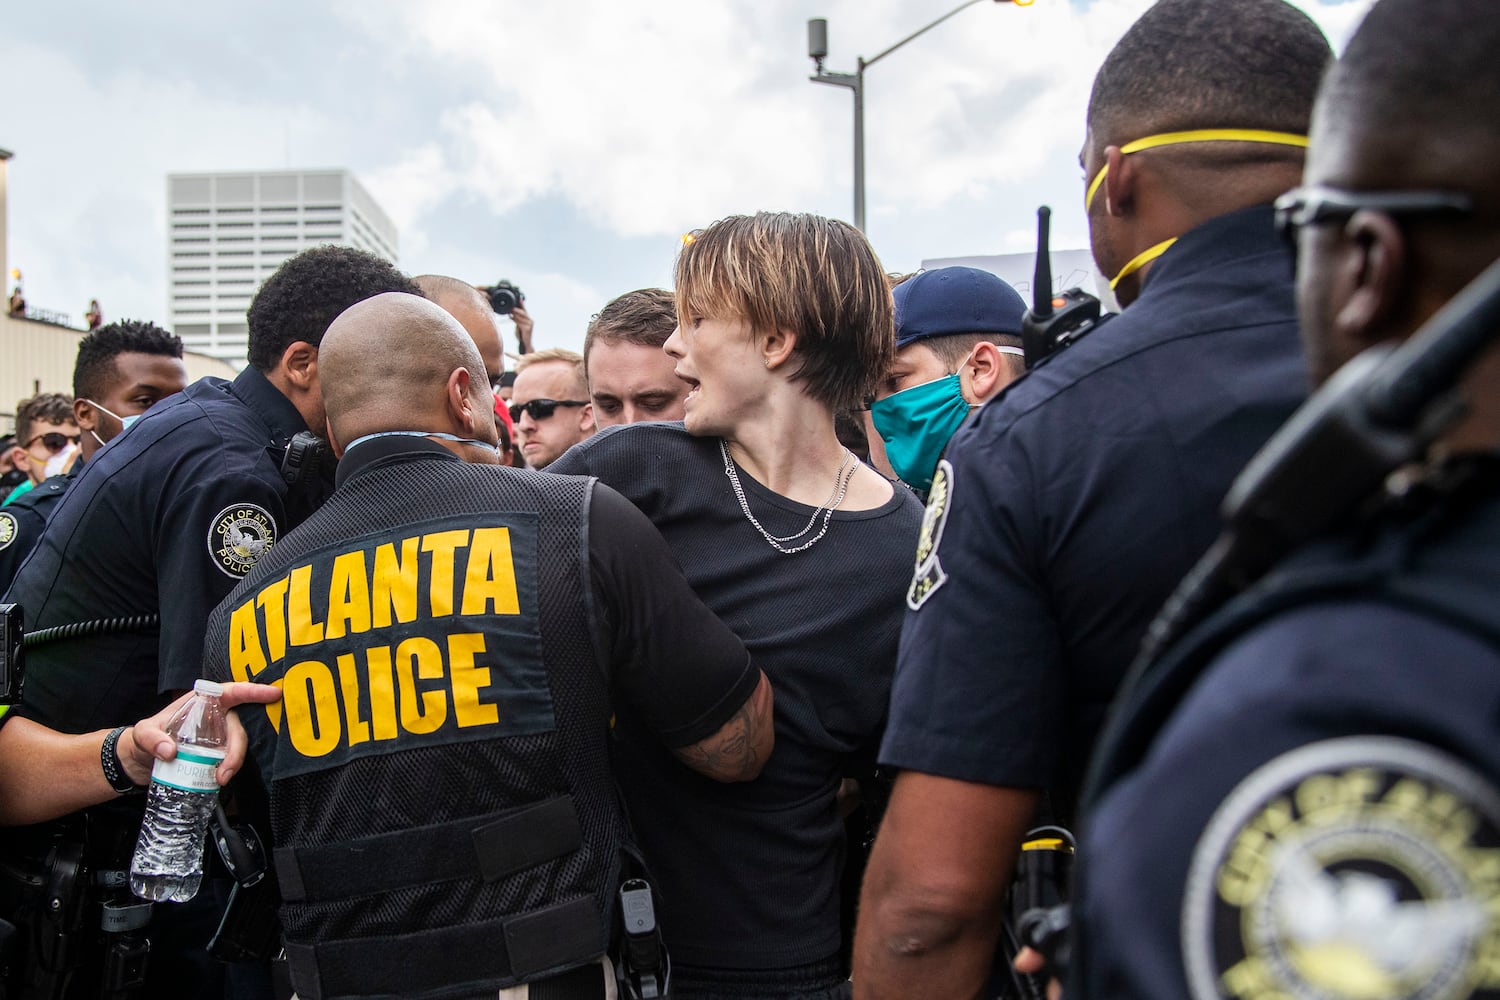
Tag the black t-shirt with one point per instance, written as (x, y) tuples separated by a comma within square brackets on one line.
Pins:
[(749, 872)]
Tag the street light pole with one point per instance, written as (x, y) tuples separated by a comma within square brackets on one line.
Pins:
[(817, 50)]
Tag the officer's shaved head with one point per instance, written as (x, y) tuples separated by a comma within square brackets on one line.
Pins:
[(385, 366), (472, 309)]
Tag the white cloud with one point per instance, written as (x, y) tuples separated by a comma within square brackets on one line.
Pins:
[(479, 122)]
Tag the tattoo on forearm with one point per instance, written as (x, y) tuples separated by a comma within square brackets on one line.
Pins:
[(731, 753)]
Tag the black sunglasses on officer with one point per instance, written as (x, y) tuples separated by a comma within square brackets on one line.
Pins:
[(1320, 204), (54, 441), (541, 409)]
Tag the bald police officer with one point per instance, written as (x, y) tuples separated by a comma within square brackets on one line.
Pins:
[(449, 635)]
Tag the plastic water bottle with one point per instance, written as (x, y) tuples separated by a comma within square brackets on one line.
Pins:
[(168, 862)]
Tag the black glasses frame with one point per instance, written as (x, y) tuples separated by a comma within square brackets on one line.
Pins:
[(541, 409), (54, 441), (1318, 204)]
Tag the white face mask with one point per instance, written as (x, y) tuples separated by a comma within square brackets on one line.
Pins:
[(55, 464)]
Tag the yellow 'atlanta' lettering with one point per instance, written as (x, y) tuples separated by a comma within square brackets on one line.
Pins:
[(362, 596), (323, 708)]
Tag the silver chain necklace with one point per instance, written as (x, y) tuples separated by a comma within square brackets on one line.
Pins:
[(840, 487)]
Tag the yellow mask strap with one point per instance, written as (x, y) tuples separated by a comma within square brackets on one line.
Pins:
[(1140, 260), (1196, 135)]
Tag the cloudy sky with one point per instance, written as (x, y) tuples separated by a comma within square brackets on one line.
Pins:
[(565, 146)]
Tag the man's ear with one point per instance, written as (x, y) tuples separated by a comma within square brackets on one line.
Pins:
[(20, 459), (1119, 183), (299, 362), (586, 418), (333, 442), (1367, 278), (776, 347), (85, 416), (985, 373), (456, 398)]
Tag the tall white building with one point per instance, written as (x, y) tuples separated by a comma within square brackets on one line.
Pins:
[(228, 232)]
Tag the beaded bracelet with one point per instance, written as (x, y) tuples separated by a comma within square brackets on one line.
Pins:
[(114, 769)]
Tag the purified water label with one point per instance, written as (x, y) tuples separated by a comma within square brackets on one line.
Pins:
[(192, 770)]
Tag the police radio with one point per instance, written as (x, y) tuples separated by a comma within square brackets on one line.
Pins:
[(1053, 321)]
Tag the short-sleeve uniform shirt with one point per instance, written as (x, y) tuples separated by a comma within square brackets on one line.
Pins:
[(1067, 509), (164, 521), (1320, 815)]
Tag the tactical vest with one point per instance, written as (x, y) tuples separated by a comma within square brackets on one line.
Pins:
[(1438, 532), (443, 808)]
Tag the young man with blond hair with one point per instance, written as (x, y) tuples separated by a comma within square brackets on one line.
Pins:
[(550, 405)]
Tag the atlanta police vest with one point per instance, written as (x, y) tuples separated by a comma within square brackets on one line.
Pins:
[(442, 804)]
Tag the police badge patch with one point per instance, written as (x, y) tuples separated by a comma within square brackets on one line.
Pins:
[(928, 575), (240, 534), (7, 528), (1363, 868)]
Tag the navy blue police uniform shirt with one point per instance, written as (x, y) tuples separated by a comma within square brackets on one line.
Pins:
[(1066, 510), (166, 520), (1322, 810), (22, 521)]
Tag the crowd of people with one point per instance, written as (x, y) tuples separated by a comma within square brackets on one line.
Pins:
[(743, 654)]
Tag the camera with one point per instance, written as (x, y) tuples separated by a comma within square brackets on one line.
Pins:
[(504, 297)]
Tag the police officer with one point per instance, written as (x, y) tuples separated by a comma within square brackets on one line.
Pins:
[(1066, 510), (154, 533), (448, 635), (45, 774), (1318, 814), (122, 369)]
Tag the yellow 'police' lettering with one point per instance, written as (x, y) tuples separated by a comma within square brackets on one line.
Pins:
[(382, 687), (466, 678), (442, 545), (301, 630), (348, 596), (272, 600), (490, 578), (423, 653), (246, 655), (312, 709), (379, 693), (394, 588), (359, 730)]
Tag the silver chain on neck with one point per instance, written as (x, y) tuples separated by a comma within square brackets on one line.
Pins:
[(840, 487)]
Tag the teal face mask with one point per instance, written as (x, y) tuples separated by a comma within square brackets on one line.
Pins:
[(915, 425)]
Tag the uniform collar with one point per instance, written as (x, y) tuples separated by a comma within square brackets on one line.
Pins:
[(256, 391), (1222, 240), (380, 451)]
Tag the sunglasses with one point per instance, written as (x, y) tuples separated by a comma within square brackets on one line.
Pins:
[(541, 409), (1319, 204), (53, 441)]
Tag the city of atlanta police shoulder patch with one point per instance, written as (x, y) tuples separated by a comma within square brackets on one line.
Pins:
[(7, 528), (1362, 868), (928, 575), (239, 535)]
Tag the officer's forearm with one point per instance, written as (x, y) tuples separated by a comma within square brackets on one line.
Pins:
[(935, 888), (45, 774)]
